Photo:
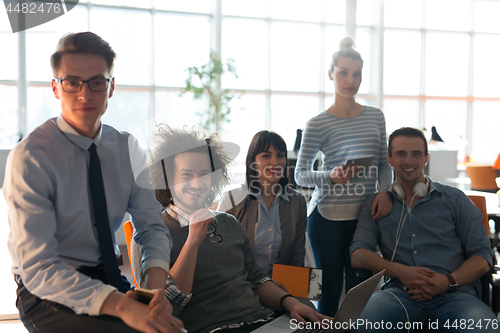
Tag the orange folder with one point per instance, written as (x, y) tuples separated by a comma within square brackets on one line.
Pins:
[(299, 281)]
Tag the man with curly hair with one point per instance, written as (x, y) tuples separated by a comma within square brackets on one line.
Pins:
[(215, 282)]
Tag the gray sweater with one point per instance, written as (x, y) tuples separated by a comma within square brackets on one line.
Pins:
[(224, 275)]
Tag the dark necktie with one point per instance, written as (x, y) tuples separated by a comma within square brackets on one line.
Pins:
[(111, 270)]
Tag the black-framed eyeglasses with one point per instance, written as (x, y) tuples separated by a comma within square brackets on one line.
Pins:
[(213, 232), (95, 85)]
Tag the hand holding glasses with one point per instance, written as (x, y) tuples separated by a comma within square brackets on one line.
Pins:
[(213, 231), (198, 220)]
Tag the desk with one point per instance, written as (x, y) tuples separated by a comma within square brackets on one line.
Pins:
[(493, 210), (459, 180), (492, 202), (462, 183), (465, 181)]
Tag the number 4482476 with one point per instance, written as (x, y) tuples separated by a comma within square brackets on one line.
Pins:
[(33, 8), (471, 324)]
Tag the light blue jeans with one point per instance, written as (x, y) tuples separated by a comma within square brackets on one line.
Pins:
[(448, 312)]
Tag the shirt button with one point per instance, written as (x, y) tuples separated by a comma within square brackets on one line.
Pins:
[(413, 235), (269, 246), (270, 229), (415, 252)]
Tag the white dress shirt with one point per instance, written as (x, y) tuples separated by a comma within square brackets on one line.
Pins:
[(52, 232)]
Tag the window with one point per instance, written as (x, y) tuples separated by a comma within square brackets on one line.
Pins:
[(433, 60), (174, 52), (9, 69), (282, 52), (9, 124), (440, 69)]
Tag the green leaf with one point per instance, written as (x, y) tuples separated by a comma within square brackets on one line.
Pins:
[(206, 79)]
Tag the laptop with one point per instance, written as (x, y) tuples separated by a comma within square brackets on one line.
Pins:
[(349, 311)]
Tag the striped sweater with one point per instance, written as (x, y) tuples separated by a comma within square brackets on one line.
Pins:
[(340, 139)]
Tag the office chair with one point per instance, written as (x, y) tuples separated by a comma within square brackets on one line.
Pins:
[(482, 177), (487, 278), (128, 230), (491, 277), (496, 166)]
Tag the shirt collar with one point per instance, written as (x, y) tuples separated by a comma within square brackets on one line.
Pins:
[(282, 194), (432, 186), (79, 140), (178, 214)]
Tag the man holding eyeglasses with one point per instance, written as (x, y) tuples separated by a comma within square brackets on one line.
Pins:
[(215, 282), (68, 185)]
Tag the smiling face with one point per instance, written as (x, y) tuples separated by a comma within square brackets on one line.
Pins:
[(270, 165), (408, 159), (192, 181), (83, 110), (347, 76)]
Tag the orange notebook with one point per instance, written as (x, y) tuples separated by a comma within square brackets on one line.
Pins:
[(300, 281)]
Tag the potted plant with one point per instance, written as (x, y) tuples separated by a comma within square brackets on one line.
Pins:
[(207, 79)]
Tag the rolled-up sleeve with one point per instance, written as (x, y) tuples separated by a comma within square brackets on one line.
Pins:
[(367, 234), (260, 282), (174, 294), (470, 229)]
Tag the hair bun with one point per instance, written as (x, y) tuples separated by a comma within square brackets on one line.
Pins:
[(346, 43)]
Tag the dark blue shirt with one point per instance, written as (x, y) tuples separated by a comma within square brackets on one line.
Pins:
[(443, 230)]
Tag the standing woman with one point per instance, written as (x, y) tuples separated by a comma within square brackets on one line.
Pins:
[(272, 214), (344, 131)]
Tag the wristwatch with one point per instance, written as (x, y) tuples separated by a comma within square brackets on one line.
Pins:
[(452, 286)]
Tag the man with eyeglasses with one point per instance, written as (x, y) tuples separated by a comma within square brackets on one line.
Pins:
[(68, 185), (215, 283)]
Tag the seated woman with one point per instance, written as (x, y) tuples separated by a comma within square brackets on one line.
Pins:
[(272, 213)]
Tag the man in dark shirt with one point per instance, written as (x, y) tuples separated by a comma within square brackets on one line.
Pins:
[(434, 250)]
